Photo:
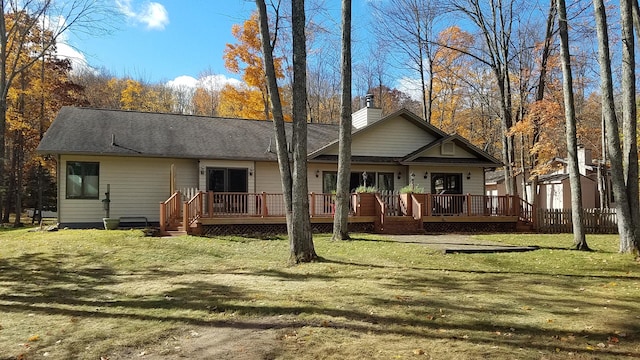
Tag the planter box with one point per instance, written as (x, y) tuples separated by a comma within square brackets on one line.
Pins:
[(365, 204), (111, 223)]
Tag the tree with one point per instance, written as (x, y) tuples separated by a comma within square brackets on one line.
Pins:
[(246, 57), (630, 122), (294, 183), (495, 23), (626, 226), (409, 24), (579, 238), (340, 221), (19, 24)]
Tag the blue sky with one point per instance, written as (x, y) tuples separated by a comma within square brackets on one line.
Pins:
[(163, 40)]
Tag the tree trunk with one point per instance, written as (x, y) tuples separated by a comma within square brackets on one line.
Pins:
[(341, 217), (579, 238), (626, 227), (629, 121), (301, 243), (278, 117)]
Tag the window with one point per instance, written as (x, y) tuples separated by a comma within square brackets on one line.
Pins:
[(446, 183), (227, 180), (82, 180), (383, 181)]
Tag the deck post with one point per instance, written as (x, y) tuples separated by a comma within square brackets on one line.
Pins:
[(428, 204), (210, 203), (312, 204), (185, 217), (264, 205), (468, 204), (163, 216)]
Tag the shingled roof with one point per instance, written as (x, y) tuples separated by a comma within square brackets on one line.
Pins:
[(132, 133)]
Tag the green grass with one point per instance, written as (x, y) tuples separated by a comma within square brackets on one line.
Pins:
[(116, 294)]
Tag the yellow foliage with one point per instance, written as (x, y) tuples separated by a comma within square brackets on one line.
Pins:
[(241, 103)]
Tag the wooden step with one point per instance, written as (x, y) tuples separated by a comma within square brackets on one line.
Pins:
[(175, 233)]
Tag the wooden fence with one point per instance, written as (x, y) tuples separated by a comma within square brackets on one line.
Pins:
[(596, 221)]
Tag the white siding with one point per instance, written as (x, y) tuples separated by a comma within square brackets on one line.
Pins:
[(395, 137), (138, 185), (268, 178), (458, 152)]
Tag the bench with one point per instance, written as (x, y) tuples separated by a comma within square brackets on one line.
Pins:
[(135, 220)]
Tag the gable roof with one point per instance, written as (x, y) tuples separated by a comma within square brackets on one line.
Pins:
[(481, 156), (404, 113), (131, 133)]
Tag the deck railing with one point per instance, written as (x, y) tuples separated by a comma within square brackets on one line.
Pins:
[(214, 205), (170, 211)]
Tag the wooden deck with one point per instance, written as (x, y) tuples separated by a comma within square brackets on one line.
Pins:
[(397, 213)]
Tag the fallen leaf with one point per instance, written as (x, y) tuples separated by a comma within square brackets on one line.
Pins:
[(33, 338), (601, 345), (418, 352), (613, 340)]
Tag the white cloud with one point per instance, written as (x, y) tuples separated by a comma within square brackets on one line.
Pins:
[(212, 82), (78, 61), (183, 81), (152, 14), (410, 87)]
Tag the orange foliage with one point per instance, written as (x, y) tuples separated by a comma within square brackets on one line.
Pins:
[(246, 58)]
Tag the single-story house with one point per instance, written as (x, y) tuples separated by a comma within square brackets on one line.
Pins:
[(142, 158)]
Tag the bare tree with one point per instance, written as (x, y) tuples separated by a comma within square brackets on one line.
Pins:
[(579, 238), (294, 180), (626, 226), (629, 121), (495, 20), (409, 25), (340, 221)]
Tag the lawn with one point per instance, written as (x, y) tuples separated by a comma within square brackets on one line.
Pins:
[(118, 295)]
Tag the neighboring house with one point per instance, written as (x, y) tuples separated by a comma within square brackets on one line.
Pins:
[(554, 189), (144, 157)]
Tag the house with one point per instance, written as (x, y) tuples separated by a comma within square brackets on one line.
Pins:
[(554, 188), (143, 158)]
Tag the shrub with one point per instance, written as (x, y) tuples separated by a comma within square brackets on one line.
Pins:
[(409, 189)]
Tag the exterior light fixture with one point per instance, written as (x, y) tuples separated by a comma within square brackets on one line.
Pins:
[(250, 172), (426, 174), (399, 174), (469, 175), (201, 170), (317, 173)]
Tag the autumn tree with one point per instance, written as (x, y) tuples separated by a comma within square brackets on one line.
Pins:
[(495, 22), (19, 24), (246, 58)]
